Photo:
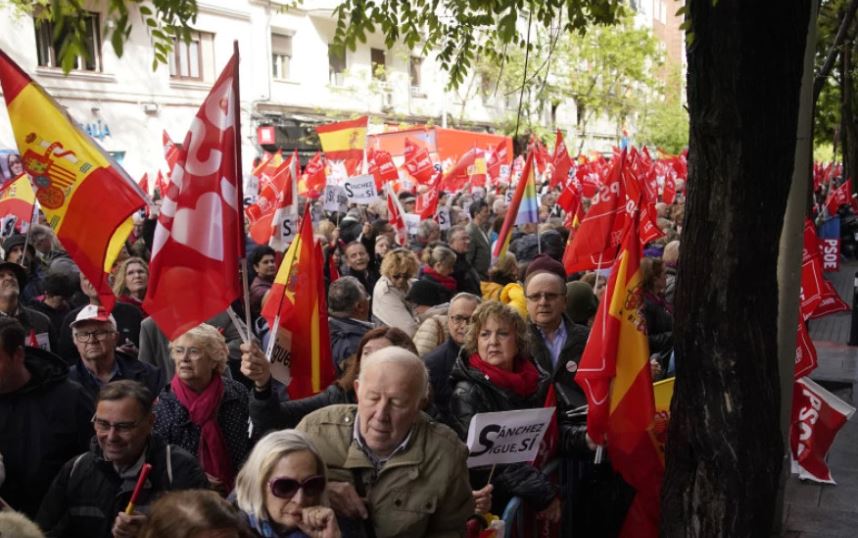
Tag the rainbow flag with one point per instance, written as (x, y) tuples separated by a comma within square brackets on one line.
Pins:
[(296, 305), (344, 141), (84, 195), (523, 208)]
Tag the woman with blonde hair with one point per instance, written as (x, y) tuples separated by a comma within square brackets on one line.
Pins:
[(131, 280), (389, 306), (281, 488), (203, 412)]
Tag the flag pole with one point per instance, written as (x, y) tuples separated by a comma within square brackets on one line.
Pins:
[(239, 190)]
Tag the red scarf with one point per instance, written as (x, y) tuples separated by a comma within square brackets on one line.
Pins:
[(522, 380), (203, 408), (447, 281)]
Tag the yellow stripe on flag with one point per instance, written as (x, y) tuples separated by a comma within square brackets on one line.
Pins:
[(116, 243)]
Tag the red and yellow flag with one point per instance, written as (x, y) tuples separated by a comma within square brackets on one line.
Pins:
[(344, 141), (83, 193), (614, 372), (17, 200), (296, 305)]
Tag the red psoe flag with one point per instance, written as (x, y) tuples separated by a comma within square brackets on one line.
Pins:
[(562, 162), (171, 152), (297, 300), (314, 175), (614, 373), (417, 162), (84, 195), (396, 218), (597, 241), (381, 166), (194, 267)]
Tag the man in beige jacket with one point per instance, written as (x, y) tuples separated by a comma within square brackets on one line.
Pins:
[(388, 463)]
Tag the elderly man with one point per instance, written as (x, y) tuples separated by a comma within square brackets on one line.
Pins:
[(95, 335), (91, 492), (128, 319), (466, 276), (348, 317), (360, 265), (411, 471), (44, 418), (480, 249), (40, 333), (440, 360)]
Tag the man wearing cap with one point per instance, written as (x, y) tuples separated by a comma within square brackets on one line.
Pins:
[(128, 319), (40, 334), (95, 335)]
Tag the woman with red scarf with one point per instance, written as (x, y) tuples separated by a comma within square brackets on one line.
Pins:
[(203, 412), (438, 269), (493, 373)]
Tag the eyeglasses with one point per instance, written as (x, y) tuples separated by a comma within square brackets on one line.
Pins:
[(536, 297), (286, 488), (88, 336), (458, 320), (102, 425), (400, 276), (194, 353)]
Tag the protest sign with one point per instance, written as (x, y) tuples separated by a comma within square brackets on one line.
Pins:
[(280, 355), (507, 436), (335, 198), (412, 223), (361, 189), (443, 217), (284, 233)]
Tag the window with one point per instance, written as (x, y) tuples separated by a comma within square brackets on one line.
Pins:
[(49, 48), (415, 67), (378, 63), (194, 59), (281, 56), (336, 66)]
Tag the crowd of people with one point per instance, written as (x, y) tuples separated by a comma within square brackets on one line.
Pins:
[(423, 335)]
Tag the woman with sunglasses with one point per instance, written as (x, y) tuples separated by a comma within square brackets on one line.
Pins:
[(389, 306), (281, 489)]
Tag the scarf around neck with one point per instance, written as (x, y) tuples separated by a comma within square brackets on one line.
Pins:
[(523, 380)]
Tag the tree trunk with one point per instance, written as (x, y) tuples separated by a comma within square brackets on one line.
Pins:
[(724, 444)]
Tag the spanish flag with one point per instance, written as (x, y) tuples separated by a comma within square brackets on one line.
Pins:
[(614, 372), (344, 141), (17, 199), (82, 192), (296, 305)]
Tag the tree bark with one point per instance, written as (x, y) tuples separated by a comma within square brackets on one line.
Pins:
[(724, 443)]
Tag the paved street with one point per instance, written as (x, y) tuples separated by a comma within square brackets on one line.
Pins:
[(825, 511)]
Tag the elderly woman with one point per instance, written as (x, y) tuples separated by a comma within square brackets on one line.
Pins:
[(281, 489), (268, 413), (389, 306), (203, 412), (130, 281), (493, 373)]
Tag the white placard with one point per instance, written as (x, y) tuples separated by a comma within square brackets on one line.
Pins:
[(284, 233), (281, 356), (412, 223), (507, 436), (361, 189), (332, 193), (443, 216)]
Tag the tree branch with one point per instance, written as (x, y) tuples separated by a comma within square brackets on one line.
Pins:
[(831, 57)]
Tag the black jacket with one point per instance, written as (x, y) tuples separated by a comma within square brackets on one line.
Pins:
[(572, 419), (88, 492), (42, 425), (268, 413), (472, 394), (467, 278), (129, 368), (345, 337), (659, 329), (173, 422), (440, 363)]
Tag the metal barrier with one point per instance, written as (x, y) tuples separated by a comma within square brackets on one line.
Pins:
[(513, 513)]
